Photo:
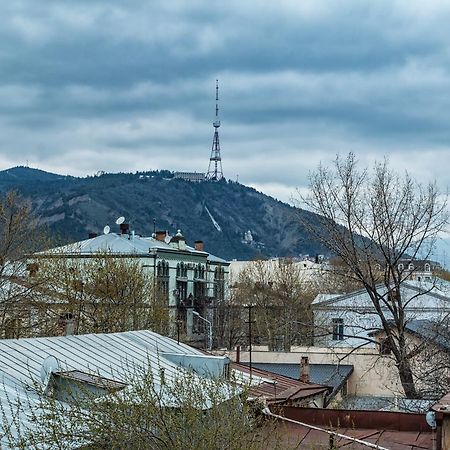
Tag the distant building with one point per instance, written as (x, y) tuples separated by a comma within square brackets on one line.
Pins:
[(418, 269), (195, 177), (347, 320)]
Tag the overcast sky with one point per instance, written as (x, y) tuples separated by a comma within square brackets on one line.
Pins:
[(123, 86)]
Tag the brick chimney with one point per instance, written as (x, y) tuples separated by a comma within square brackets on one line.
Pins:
[(92, 235), (124, 228), (304, 369), (160, 235), (198, 245)]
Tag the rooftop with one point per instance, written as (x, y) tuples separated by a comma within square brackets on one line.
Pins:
[(323, 374), (122, 244)]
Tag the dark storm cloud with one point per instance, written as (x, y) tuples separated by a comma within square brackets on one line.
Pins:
[(94, 85)]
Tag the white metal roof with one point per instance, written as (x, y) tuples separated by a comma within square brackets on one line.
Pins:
[(122, 244), (113, 356), (422, 294)]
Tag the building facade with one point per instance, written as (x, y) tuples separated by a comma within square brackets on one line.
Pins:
[(190, 280)]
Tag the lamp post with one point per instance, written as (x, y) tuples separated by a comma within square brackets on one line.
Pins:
[(195, 313)]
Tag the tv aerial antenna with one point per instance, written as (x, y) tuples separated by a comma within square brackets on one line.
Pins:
[(107, 229), (120, 220)]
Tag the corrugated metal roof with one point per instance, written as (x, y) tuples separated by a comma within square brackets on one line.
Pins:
[(113, 356), (325, 374), (278, 388)]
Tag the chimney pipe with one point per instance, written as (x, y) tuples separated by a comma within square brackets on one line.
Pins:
[(160, 235), (124, 227), (198, 245), (304, 369), (238, 354), (92, 235)]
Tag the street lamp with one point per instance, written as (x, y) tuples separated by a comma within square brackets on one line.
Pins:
[(195, 313)]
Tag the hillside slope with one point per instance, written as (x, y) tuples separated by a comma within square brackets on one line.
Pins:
[(221, 214)]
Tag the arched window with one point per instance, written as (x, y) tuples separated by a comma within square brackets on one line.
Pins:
[(181, 270), (219, 283), (411, 266), (199, 283), (427, 267), (401, 267), (199, 272), (162, 278)]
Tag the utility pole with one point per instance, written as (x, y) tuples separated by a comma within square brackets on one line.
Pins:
[(250, 321)]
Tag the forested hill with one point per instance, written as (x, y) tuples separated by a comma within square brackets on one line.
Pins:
[(221, 214)]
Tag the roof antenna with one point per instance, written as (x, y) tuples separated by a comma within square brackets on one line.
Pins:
[(154, 226)]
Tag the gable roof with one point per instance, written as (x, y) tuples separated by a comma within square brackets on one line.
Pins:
[(428, 330), (432, 291)]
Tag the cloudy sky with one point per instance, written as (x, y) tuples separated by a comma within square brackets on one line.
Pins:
[(125, 86)]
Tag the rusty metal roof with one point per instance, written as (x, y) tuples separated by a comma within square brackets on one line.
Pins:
[(280, 389), (395, 431)]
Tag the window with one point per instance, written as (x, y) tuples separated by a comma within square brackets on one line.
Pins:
[(181, 270), (427, 267), (181, 292), (162, 278), (338, 329), (219, 283), (199, 272), (411, 266), (400, 267)]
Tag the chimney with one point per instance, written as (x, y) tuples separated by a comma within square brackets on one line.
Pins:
[(304, 369), (124, 228), (69, 328), (198, 245), (92, 235), (160, 235), (238, 354)]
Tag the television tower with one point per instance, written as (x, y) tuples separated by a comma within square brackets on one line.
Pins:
[(215, 161)]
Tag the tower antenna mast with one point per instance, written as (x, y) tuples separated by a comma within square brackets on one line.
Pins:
[(215, 172)]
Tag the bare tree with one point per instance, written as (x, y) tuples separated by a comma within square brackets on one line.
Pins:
[(20, 234), (184, 411), (281, 300), (371, 221)]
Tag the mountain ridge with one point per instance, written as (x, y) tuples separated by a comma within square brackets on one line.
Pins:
[(233, 220)]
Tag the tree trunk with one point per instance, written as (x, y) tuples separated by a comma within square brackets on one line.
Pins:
[(406, 378)]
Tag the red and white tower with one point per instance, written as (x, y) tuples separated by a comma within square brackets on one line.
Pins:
[(215, 161)]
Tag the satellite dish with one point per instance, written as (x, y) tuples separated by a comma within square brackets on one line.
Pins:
[(120, 220), (49, 366), (430, 417), (107, 229)]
